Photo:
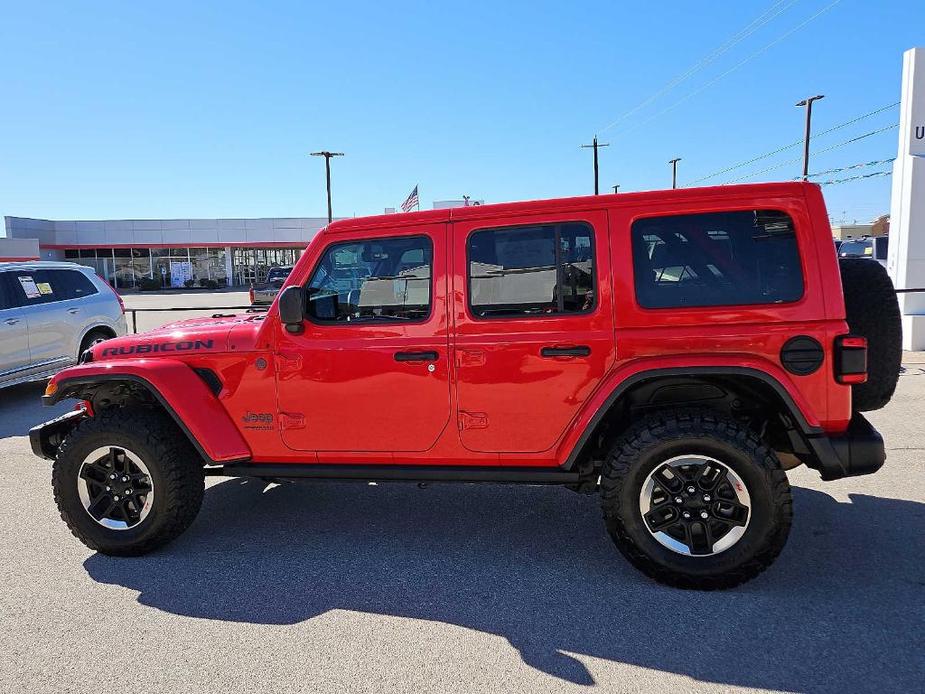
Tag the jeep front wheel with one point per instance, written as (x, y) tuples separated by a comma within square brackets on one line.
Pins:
[(695, 500), (126, 481)]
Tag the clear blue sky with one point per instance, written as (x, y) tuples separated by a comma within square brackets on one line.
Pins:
[(179, 109)]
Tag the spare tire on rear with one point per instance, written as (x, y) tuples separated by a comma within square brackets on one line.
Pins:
[(872, 311)]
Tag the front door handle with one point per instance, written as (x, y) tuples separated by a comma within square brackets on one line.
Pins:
[(416, 356), (570, 351), (72, 311), (11, 321)]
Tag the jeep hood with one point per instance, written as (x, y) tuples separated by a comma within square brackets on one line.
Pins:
[(192, 336)]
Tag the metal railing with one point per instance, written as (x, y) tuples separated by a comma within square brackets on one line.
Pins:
[(246, 309)]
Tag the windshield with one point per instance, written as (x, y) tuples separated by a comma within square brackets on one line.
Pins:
[(278, 274), (855, 249)]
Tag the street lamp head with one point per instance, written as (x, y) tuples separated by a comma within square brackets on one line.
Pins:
[(674, 161), (325, 153), (806, 102)]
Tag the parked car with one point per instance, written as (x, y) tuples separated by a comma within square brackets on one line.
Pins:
[(50, 313), (266, 293), (869, 247), (674, 352)]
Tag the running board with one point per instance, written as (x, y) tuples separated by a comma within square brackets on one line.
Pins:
[(404, 473)]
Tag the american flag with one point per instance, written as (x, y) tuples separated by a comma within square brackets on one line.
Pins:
[(411, 201)]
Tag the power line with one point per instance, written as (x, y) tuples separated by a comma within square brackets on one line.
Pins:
[(821, 151), (768, 15), (848, 168), (734, 67), (856, 178), (859, 118), (796, 143)]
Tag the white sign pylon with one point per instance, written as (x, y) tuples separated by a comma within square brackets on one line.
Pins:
[(906, 258)]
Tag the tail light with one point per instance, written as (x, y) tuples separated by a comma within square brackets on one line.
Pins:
[(851, 359), (118, 297)]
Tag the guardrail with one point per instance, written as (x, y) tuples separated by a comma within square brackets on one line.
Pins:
[(246, 309)]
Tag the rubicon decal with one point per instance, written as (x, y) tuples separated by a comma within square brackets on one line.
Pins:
[(184, 346)]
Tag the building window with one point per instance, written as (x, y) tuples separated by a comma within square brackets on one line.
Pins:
[(124, 276), (141, 263), (217, 267)]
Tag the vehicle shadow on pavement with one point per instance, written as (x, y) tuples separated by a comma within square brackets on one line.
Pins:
[(21, 408), (533, 565)]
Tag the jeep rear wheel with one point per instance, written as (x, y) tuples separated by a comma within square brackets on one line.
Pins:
[(695, 500), (126, 481)]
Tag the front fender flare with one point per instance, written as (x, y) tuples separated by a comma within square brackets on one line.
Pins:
[(184, 395)]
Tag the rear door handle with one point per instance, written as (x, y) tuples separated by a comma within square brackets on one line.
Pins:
[(11, 321), (72, 311), (570, 351), (416, 356)]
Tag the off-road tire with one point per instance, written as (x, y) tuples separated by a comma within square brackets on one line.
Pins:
[(662, 436), (174, 465), (872, 311)]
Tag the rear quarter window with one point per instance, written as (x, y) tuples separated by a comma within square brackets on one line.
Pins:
[(70, 284), (716, 259)]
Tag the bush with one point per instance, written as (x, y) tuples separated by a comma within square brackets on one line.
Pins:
[(208, 284), (148, 284), (189, 283)]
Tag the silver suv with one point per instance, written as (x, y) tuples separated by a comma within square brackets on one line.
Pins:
[(49, 314)]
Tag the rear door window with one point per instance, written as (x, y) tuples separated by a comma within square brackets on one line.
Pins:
[(27, 288), (528, 271), (47, 286), (716, 259), (6, 300)]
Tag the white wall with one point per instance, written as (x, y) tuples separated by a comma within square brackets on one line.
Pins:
[(906, 259), (150, 232), (19, 249)]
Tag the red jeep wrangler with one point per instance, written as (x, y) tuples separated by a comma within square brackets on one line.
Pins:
[(676, 351)]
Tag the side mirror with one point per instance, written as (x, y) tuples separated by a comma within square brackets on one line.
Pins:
[(292, 308)]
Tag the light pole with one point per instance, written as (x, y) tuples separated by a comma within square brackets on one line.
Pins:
[(808, 103), (616, 188), (594, 145), (327, 171), (674, 172)]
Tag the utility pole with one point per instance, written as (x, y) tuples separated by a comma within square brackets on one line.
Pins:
[(327, 170), (674, 172), (594, 145), (808, 103), (616, 188)]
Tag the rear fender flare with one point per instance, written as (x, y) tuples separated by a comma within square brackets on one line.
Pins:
[(179, 390), (624, 379)]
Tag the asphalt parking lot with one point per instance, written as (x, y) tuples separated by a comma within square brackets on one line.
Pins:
[(354, 588)]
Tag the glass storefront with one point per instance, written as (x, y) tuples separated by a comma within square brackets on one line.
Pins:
[(124, 268), (251, 265)]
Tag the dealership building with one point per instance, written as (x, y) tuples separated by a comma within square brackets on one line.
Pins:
[(125, 252), (232, 252)]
